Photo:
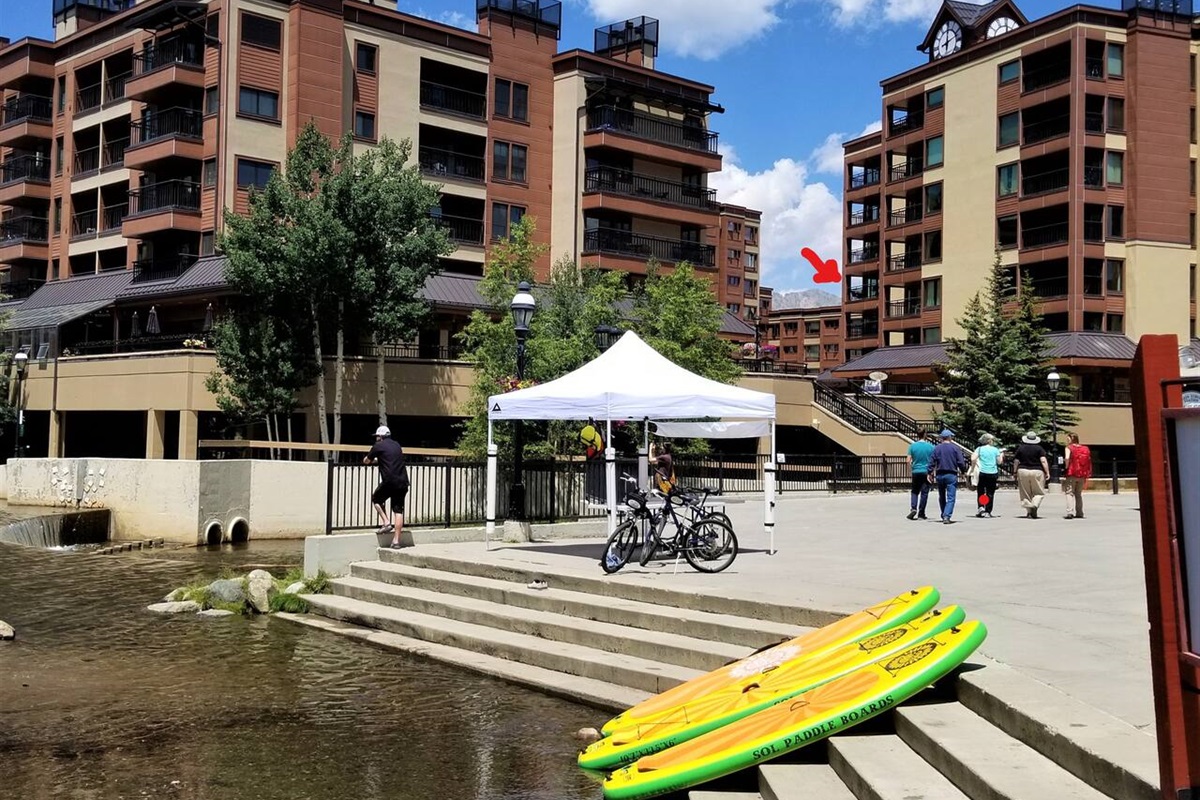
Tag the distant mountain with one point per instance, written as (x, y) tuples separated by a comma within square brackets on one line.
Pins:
[(803, 298)]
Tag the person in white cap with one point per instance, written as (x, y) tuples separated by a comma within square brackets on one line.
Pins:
[(393, 482)]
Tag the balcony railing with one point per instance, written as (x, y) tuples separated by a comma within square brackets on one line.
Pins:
[(1093, 122), (27, 107), (611, 180), (88, 98), (1047, 129), (906, 169), (1094, 68), (1054, 287), (861, 330), (863, 255), (1045, 235), (864, 217), (905, 215), (85, 224), (607, 240), (24, 229), (114, 87), (904, 308), (910, 260), (168, 53), (1093, 177), (87, 160), (909, 122), (453, 100), (1093, 286), (860, 295), (1042, 77), (446, 164), (868, 177), (150, 269), (463, 230), (176, 195), (114, 216), (652, 128), (1093, 230), (1045, 182), (19, 290), (29, 167), (183, 122), (113, 153)]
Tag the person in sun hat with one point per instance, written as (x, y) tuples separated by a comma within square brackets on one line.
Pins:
[(946, 464), (987, 458), (1033, 471), (393, 483)]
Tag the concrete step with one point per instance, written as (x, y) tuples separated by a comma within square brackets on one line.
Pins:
[(1105, 752), (617, 611), (573, 659), (704, 795), (594, 582), (597, 694), (885, 768), (801, 782), (653, 645), (983, 761)]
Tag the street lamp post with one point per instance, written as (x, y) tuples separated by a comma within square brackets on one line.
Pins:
[(522, 307), (21, 360), (1052, 381), (606, 337)]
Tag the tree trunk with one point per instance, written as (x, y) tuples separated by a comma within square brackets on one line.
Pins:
[(322, 423), (380, 383), (339, 373)]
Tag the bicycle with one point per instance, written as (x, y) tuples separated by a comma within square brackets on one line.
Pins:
[(706, 540), (629, 534)]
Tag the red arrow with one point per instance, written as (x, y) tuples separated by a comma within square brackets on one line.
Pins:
[(827, 271)]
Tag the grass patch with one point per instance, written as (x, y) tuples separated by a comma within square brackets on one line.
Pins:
[(291, 603), (242, 608), (318, 584)]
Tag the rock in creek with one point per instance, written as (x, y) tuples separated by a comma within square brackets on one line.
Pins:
[(215, 612), (173, 608), (6, 631), (260, 587), (228, 591), (295, 588), (587, 735), (175, 596)]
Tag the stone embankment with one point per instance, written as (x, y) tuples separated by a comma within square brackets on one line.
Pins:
[(258, 592), (6, 632), (125, 547)]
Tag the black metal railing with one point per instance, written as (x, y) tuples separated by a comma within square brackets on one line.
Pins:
[(183, 122), (85, 224), (1047, 129), (87, 160), (1042, 77), (772, 366), (909, 122), (863, 255), (543, 12), (1093, 286), (463, 230), (864, 216), (447, 164), (892, 417), (904, 308), (652, 128), (1094, 67), (1048, 288), (612, 180), (88, 98), (24, 229), (1093, 177), (113, 217), (151, 269), (113, 153), (904, 216), (1044, 235), (26, 107), (28, 167), (1093, 230), (1045, 182), (606, 240), (114, 87), (906, 169), (862, 294), (168, 53), (903, 261), (847, 410), (861, 330), (143, 343), (163, 196), (861, 180), (452, 352), (453, 100), (1093, 121), (19, 290)]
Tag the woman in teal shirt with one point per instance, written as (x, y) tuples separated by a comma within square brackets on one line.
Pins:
[(987, 459)]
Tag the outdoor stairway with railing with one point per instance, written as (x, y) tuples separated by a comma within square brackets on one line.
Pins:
[(985, 733)]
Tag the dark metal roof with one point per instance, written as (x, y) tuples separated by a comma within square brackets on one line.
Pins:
[(25, 318), (207, 274), (1060, 347), (969, 13), (913, 356), (454, 291), (80, 289), (1079, 344)]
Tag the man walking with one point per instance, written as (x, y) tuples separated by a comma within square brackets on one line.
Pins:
[(393, 482), (946, 464), (1079, 469), (919, 453), (1033, 471)]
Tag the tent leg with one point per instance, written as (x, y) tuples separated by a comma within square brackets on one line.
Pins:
[(610, 478), (490, 500), (644, 456), (769, 492)]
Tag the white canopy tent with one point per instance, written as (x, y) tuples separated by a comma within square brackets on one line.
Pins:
[(632, 381)]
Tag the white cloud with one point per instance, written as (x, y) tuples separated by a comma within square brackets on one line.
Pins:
[(457, 19), (796, 214), (703, 29), (827, 158), (871, 12)]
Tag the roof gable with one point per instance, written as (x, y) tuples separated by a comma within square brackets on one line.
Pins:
[(974, 19)]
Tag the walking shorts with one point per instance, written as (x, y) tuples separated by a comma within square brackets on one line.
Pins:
[(394, 492)]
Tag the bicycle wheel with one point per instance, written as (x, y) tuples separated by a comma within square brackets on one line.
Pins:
[(620, 546), (716, 516), (653, 539), (712, 546)]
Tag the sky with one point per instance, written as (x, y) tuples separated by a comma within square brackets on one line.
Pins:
[(796, 79)]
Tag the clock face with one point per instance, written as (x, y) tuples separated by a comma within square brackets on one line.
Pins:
[(949, 39), (1001, 25)]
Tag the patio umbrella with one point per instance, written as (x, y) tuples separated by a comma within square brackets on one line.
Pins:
[(135, 329), (208, 318), (152, 323)]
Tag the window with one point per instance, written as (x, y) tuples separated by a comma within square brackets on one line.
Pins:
[(933, 293), (931, 335), (734, 308), (1010, 72), (209, 172), (364, 125), (734, 280), (1114, 270), (1192, 177), (212, 100), (789, 350), (1116, 323), (751, 235), (1116, 60), (733, 255), (207, 244), (509, 161), (1116, 114), (364, 57), (1006, 231), (812, 352), (812, 328), (735, 228), (62, 94), (1192, 227), (1192, 122), (504, 216), (1116, 221), (258, 103), (933, 246), (934, 98), (512, 100), (933, 152), (1116, 168), (253, 174), (791, 328), (751, 260), (261, 31), (58, 215), (933, 199), (58, 156), (1192, 74), (1010, 129), (1192, 282), (1006, 180)]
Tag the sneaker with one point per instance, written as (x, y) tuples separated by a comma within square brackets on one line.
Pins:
[(987, 514), (537, 585), (1069, 516), (922, 516), (979, 514), (948, 521), (912, 515), (1033, 513)]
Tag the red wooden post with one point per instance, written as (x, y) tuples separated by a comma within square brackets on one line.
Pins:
[(1176, 697)]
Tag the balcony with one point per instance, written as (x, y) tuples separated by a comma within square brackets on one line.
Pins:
[(909, 260), (641, 246), (85, 224), (652, 128), (24, 119), (167, 134), (861, 329), (463, 230), (1043, 77), (24, 177), (861, 180), (20, 290), (910, 121), (24, 237), (112, 154), (111, 219), (861, 294), (452, 100), (905, 216), (159, 69), (1047, 129), (155, 207), (863, 255), (906, 169), (611, 180), (1093, 230), (87, 161), (1045, 182), (1093, 177), (1045, 235), (908, 307), (1093, 122), (165, 269), (447, 165), (864, 217)]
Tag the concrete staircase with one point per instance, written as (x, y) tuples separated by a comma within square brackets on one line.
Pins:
[(986, 733)]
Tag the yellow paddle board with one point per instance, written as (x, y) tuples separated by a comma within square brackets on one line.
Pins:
[(868, 622), (802, 720), (771, 685)]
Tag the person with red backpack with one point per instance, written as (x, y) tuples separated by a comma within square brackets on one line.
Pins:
[(1079, 469)]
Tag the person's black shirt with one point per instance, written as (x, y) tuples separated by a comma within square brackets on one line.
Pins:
[(1029, 456), (390, 456)]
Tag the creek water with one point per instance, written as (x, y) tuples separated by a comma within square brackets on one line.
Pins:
[(101, 699)]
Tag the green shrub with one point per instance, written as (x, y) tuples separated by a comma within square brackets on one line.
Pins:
[(318, 584), (291, 603)]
